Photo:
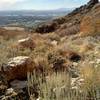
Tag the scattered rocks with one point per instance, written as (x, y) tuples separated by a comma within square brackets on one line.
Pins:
[(17, 90), (74, 73), (12, 94), (77, 82), (15, 70)]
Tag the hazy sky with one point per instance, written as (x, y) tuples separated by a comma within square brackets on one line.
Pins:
[(39, 4)]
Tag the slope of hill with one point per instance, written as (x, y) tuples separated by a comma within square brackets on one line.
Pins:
[(12, 32), (56, 65), (90, 24), (69, 24)]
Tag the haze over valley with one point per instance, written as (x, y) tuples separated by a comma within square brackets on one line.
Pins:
[(29, 18)]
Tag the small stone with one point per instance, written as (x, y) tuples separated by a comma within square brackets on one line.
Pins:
[(9, 91), (16, 84), (75, 64), (75, 87), (98, 61), (54, 43), (2, 89)]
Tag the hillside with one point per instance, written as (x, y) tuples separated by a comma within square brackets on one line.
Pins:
[(90, 24), (69, 24), (60, 60), (12, 32)]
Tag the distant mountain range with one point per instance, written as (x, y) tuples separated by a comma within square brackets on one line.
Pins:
[(61, 11)]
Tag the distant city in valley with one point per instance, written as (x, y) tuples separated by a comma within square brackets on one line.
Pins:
[(30, 18)]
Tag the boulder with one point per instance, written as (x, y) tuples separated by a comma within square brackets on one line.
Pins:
[(26, 43), (9, 95), (90, 25), (46, 27), (17, 68)]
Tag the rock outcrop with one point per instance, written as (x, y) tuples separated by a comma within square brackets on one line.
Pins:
[(46, 28), (17, 68), (26, 43)]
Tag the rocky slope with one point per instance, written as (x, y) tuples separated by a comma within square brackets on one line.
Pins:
[(69, 65)]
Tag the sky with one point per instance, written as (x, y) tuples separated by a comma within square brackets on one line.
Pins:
[(39, 4)]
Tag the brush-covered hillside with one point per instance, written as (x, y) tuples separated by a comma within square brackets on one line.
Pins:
[(70, 24), (58, 60)]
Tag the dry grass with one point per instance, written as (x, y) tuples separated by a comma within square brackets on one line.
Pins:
[(9, 34), (8, 51), (57, 86), (49, 85), (92, 81), (68, 30)]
